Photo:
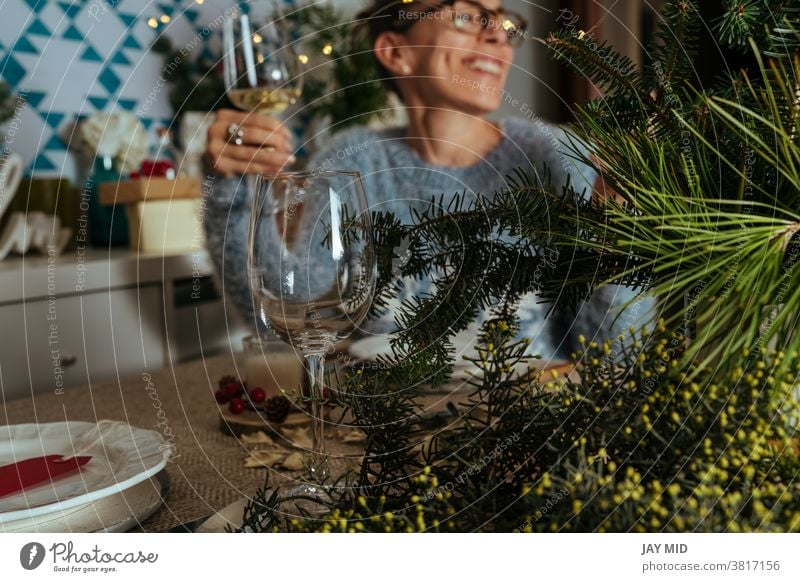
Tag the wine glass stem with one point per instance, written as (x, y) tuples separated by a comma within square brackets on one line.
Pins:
[(319, 454)]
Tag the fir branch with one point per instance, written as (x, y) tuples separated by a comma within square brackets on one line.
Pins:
[(675, 45), (610, 71)]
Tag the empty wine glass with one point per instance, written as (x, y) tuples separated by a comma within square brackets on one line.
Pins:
[(312, 271)]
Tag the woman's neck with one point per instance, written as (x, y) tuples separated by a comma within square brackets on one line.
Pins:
[(450, 138)]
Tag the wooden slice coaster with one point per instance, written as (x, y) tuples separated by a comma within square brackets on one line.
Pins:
[(249, 422)]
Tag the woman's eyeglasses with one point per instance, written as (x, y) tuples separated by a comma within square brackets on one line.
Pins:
[(473, 18)]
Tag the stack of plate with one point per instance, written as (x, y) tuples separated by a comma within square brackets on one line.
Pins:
[(120, 486)]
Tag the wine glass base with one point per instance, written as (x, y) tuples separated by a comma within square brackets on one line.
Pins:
[(306, 499), (312, 497)]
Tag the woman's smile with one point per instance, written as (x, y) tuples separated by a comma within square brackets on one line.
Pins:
[(487, 65)]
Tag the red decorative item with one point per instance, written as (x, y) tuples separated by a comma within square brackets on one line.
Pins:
[(233, 389), (19, 476), (156, 169), (257, 395), (236, 406)]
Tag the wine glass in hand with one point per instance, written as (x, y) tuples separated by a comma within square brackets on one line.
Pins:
[(312, 270), (262, 72), (261, 68)]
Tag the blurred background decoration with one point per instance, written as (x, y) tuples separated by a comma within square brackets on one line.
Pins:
[(72, 59), (9, 103), (342, 88), (118, 144), (119, 136)]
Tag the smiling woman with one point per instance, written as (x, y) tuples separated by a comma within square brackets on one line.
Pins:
[(448, 62)]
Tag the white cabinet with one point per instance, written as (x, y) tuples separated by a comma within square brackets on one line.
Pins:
[(80, 319), (57, 342)]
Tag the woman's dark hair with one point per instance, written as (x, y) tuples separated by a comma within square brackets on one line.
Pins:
[(385, 16)]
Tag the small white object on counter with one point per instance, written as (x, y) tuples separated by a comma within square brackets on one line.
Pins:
[(35, 231)]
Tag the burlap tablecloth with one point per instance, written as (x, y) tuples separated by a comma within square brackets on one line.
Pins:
[(207, 472)]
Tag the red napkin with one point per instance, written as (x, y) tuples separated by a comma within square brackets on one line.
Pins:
[(17, 476)]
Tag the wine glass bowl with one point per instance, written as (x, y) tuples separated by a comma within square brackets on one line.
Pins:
[(312, 269), (261, 69), (312, 261)]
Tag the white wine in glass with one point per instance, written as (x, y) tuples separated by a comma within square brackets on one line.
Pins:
[(261, 69), (266, 101)]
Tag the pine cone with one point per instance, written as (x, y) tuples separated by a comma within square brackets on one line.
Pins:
[(277, 408)]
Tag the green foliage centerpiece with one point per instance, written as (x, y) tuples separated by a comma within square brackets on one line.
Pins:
[(685, 425)]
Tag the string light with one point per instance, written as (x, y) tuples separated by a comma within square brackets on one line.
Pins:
[(327, 49), (199, 2), (257, 38), (303, 59), (164, 18), (152, 22)]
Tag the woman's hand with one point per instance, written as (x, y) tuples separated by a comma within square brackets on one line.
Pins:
[(266, 144)]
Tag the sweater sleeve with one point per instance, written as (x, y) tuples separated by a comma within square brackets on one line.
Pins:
[(600, 316), (226, 222), (550, 148)]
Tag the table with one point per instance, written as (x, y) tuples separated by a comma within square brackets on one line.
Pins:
[(207, 472)]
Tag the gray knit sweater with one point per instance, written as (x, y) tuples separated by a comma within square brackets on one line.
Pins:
[(397, 179)]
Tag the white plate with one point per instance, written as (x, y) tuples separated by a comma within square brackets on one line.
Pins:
[(124, 456), (119, 512)]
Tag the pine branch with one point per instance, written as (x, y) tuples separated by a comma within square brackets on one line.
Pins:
[(675, 46), (741, 20), (656, 435), (610, 71)]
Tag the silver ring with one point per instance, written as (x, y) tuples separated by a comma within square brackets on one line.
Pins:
[(236, 133)]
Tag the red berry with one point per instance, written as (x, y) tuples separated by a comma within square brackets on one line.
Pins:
[(257, 395), (233, 389), (236, 406), (221, 397)]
